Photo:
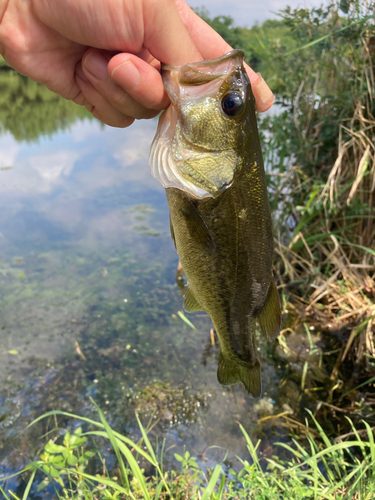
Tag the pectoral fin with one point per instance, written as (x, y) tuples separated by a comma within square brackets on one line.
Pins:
[(270, 317), (198, 228), (230, 372), (190, 302)]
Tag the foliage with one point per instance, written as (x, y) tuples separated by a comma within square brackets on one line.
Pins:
[(320, 157), (323, 185), (251, 40), (341, 470)]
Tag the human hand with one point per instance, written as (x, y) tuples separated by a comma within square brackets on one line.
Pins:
[(106, 54)]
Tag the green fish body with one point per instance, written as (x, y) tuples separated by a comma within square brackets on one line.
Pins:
[(207, 154)]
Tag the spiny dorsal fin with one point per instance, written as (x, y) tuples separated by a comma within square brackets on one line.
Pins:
[(229, 372), (202, 234), (190, 302), (270, 317)]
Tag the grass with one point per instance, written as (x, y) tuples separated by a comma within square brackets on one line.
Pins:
[(321, 159), (320, 470)]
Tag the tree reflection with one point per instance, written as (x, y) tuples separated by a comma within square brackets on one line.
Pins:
[(29, 110)]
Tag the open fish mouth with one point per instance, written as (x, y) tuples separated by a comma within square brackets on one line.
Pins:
[(181, 155), (199, 73)]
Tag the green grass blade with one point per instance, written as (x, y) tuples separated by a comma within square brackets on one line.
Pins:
[(359, 476), (147, 441), (137, 473), (14, 496), (107, 482), (124, 440), (354, 245), (29, 484), (212, 482), (221, 487), (252, 449), (152, 453), (330, 451), (289, 448), (369, 381), (184, 318), (3, 492), (371, 440), (114, 443), (158, 491)]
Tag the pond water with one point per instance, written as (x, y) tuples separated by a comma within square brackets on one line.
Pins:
[(89, 300)]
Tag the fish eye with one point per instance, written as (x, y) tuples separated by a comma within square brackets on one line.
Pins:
[(232, 103)]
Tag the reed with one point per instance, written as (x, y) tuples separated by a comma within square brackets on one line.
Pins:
[(320, 155)]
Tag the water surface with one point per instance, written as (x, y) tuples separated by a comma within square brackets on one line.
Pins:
[(89, 301)]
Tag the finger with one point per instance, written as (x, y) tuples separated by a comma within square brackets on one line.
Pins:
[(96, 103), (124, 26), (140, 79), (211, 45), (95, 68)]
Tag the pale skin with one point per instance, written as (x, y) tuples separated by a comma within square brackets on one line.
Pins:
[(105, 54)]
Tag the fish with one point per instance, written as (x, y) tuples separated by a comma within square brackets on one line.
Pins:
[(207, 154)]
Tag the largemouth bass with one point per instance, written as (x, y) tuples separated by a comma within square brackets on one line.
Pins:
[(207, 155)]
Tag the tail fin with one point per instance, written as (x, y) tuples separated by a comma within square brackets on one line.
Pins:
[(231, 372)]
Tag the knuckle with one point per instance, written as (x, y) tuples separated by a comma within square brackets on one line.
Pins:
[(147, 114), (120, 99), (124, 121), (90, 107)]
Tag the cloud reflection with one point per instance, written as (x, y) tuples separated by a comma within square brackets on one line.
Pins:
[(8, 151), (92, 157)]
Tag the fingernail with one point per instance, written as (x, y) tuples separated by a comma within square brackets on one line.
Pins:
[(263, 95), (126, 72), (96, 65)]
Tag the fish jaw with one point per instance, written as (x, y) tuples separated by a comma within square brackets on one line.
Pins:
[(189, 78), (197, 147), (162, 161)]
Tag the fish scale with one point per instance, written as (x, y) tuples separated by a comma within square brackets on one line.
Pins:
[(211, 165)]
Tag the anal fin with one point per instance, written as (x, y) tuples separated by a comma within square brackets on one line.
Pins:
[(270, 317), (190, 302), (230, 372)]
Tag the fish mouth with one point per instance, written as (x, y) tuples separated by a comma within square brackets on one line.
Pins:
[(188, 83), (200, 73)]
